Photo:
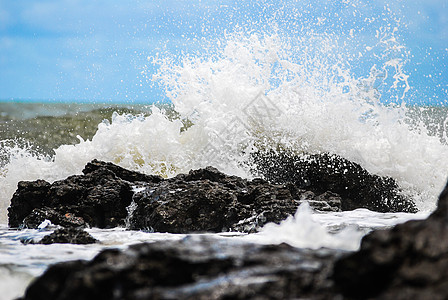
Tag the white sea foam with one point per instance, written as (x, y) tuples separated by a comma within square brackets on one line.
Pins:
[(302, 231), (256, 89), (20, 263), (255, 93), (263, 89)]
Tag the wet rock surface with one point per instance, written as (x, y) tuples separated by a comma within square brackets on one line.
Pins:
[(208, 200), (68, 236), (122, 173), (326, 172), (39, 215), (409, 261), (203, 200), (197, 267), (98, 198)]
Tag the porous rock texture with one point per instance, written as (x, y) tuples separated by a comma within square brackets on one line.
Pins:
[(203, 200), (68, 236), (197, 267), (330, 172), (99, 199), (409, 261)]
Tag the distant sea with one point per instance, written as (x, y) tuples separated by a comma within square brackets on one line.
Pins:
[(45, 126)]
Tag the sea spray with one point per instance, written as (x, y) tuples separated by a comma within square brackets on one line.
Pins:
[(132, 207), (302, 231), (337, 71), (324, 107), (307, 92)]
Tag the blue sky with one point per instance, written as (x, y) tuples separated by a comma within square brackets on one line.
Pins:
[(81, 50)]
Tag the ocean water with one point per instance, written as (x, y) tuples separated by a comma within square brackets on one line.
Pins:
[(246, 91), (55, 141)]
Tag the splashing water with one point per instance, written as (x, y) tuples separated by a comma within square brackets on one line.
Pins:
[(312, 91), (302, 231)]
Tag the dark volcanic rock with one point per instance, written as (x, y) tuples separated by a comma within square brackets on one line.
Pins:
[(203, 200), (99, 198), (409, 261), (68, 236), (181, 207), (324, 172), (198, 267), (120, 172), (28, 196), (208, 200), (38, 215)]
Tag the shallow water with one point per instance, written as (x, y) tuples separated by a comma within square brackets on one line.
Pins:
[(20, 261), (319, 79), (127, 139)]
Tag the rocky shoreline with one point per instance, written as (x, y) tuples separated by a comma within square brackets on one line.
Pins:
[(407, 261), (204, 200)]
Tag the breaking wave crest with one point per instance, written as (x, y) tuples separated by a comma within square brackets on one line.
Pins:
[(250, 91)]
